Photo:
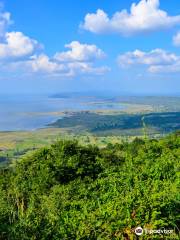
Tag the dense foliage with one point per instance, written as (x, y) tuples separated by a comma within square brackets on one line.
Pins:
[(104, 124), (68, 191)]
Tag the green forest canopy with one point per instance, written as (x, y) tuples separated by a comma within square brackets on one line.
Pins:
[(95, 123), (68, 191)]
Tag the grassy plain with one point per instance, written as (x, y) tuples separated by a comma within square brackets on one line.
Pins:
[(150, 116)]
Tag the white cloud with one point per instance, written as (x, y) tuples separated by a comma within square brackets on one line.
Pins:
[(79, 52), (76, 68), (157, 60), (5, 20), (70, 66), (143, 17), (176, 40), (79, 60), (35, 65), (172, 68), (17, 45), (21, 54), (156, 56), (42, 63)]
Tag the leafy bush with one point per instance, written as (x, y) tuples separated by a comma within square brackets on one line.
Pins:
[(68, 191)]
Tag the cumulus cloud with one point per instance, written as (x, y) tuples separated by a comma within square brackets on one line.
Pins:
[(80, 52), (5, 20), (69, 66), (20, 53), (79, 60), (17, 45), (143, 17), (176, 40), (42, 63), (156, 56), (157, 60), (76, 68), (172, 68)]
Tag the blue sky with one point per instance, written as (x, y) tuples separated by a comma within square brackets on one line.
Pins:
[(75, 45)]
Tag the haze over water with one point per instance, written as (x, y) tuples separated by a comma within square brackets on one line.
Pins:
[(29, 112)]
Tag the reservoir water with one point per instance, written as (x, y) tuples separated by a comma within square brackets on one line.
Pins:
[(29, 112)]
